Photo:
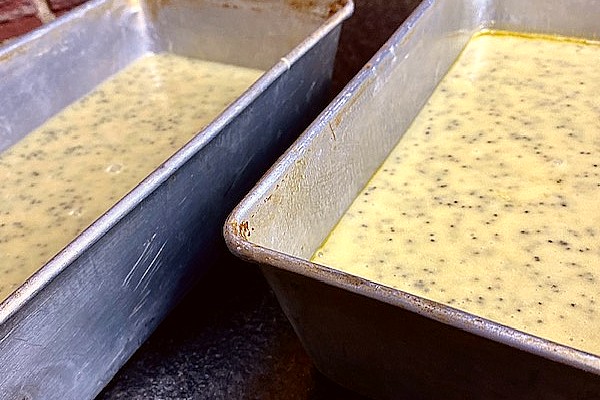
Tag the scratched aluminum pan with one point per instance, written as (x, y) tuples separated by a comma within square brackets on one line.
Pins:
[(382, 342), (69, 328)]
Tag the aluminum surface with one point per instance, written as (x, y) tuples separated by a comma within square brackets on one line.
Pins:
[(67, 330), (346, 322)]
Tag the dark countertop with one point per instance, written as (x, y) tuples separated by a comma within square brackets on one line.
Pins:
[(229, 339)]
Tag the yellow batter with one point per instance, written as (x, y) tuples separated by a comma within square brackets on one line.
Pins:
[(490, 201), (65, 174)]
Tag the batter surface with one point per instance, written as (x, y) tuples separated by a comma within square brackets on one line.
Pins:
[(489, 202), (68, 172)]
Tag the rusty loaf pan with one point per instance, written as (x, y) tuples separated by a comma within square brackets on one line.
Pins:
[(68, 329), (382, 342)]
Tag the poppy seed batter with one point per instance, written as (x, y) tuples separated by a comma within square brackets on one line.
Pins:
[(65, 174), (489, 202)]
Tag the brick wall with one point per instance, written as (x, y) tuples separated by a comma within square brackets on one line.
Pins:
[(20, 16)]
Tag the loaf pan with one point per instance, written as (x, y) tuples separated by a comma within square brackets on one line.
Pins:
[(67, 330), (382, 342)]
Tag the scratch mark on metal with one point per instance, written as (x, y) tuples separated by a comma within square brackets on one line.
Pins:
[(26, 341), (332, 131), (152, 266), (94, 265), (7, 334), (115, 358), (127, 279), (140, 304)]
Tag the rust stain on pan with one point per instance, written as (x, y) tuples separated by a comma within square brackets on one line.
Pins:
[(311, 5), (337, 120), (229, 5), (240, 229), (154, 6), (358, 95), (336, 6), (351, 280), (9, 56), (244, 230), (302, 5)]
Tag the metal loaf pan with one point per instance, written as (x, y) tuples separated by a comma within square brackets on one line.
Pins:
[(382, 342), (69, 328)]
